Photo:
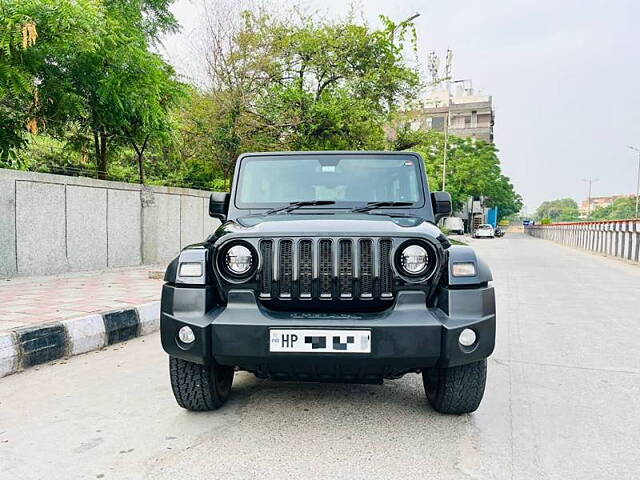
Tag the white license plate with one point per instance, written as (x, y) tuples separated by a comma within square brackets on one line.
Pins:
[(319, 341)]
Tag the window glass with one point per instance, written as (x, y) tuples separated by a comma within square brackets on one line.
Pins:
[(269, 181)]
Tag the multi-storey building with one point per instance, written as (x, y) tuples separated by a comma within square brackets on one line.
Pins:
[(463, 113)]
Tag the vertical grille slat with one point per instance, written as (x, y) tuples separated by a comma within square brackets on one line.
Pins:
[(325, 270), (305, 268), (266, 277), (285, 268), (366, 268), (345, 269), (385, 269)]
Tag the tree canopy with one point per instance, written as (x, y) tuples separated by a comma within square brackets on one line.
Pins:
[(89, 64), (621, 209), (473, 169), (34, 33), (561, 210)]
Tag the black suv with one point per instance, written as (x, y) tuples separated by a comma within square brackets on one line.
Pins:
[(328, 266)]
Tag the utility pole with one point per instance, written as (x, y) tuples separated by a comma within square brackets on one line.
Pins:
[(446, 148), (638, 181), (590, 182)]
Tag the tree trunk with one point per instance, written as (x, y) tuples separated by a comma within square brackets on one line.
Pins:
[(140, 155), (141, 169), (103, 162), (96, 146)]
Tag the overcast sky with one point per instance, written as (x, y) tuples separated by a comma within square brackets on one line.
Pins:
[(564, 76)]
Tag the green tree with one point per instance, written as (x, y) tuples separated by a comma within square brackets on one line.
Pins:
[(621, 209), (295, 82), (561, 210), (120, 92), (473, 169), (106, 82), (33, 33)]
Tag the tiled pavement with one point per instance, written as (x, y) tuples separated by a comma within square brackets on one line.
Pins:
[(35, 300)]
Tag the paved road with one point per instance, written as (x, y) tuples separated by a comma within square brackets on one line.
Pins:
[(562, 400)]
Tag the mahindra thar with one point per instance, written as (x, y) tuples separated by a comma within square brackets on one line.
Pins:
[(329, 266)]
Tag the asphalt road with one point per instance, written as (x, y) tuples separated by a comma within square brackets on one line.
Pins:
[(562, 400)]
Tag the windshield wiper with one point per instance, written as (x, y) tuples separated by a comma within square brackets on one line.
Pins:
[(305, 203), (374, 205)]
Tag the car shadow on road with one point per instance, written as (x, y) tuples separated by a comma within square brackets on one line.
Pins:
[(250, 392)]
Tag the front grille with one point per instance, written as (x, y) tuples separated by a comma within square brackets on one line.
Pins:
[(326, 269)]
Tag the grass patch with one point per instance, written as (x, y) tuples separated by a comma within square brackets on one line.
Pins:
[(456, 242)]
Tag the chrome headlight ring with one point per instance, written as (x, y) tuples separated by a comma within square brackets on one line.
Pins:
[(416, 260), (237, 260)]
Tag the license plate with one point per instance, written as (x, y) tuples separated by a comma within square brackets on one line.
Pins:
[(320, 341)]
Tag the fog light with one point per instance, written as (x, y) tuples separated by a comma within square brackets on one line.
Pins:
[(467, 337), (186, 335)]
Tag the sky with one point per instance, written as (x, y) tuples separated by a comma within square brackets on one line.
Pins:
[(564, 76)]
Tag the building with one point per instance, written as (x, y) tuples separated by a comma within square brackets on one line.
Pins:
[(599, 202), (463, 113)]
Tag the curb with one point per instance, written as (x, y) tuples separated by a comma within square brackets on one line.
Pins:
[(24, 347)]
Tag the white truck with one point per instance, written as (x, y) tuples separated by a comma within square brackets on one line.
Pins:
[(454, 225)]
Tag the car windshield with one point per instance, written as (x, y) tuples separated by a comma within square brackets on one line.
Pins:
[(485, 227), (348, 180)]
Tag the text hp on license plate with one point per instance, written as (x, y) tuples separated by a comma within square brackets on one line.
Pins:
[(320, 341)]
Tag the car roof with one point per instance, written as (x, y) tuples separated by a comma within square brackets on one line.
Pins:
[(330, 152)]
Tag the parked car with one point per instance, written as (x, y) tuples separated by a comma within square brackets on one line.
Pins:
[(499, 231), (484, 231), (455, 225), (328, 266)]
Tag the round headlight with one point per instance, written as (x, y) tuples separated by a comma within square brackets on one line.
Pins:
[(239, 259), (414, 259)]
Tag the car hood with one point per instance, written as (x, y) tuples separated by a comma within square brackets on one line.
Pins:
[(328, 224)]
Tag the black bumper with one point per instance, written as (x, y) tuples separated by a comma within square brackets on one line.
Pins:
[(407, 337)]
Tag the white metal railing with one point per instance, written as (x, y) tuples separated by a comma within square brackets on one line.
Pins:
[(616, 238)]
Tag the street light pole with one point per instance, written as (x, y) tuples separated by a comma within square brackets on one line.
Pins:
[(590, 182), (638, 181), (446, 147)]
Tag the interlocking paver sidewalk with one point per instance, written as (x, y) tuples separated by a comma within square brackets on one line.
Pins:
[(34, 300)]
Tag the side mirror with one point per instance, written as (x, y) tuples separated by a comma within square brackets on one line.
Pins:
[(219, 205), (441, 202)]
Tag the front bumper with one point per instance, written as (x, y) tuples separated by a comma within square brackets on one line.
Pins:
[(407, 337)]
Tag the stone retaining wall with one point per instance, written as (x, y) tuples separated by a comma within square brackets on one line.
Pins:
[(53, 223)]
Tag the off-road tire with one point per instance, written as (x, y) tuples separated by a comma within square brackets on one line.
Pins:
[(456, 389), (200, 387)]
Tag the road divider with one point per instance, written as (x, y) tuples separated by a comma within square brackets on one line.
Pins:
[(25, 347)]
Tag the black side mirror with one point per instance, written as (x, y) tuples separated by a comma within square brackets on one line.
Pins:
[(219, 205), (441, 202)]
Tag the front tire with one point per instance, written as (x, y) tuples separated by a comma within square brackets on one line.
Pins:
[(200, 387), (456, 389)]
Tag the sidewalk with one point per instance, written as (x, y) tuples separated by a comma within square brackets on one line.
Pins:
[(43, 319), (29, 301)]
